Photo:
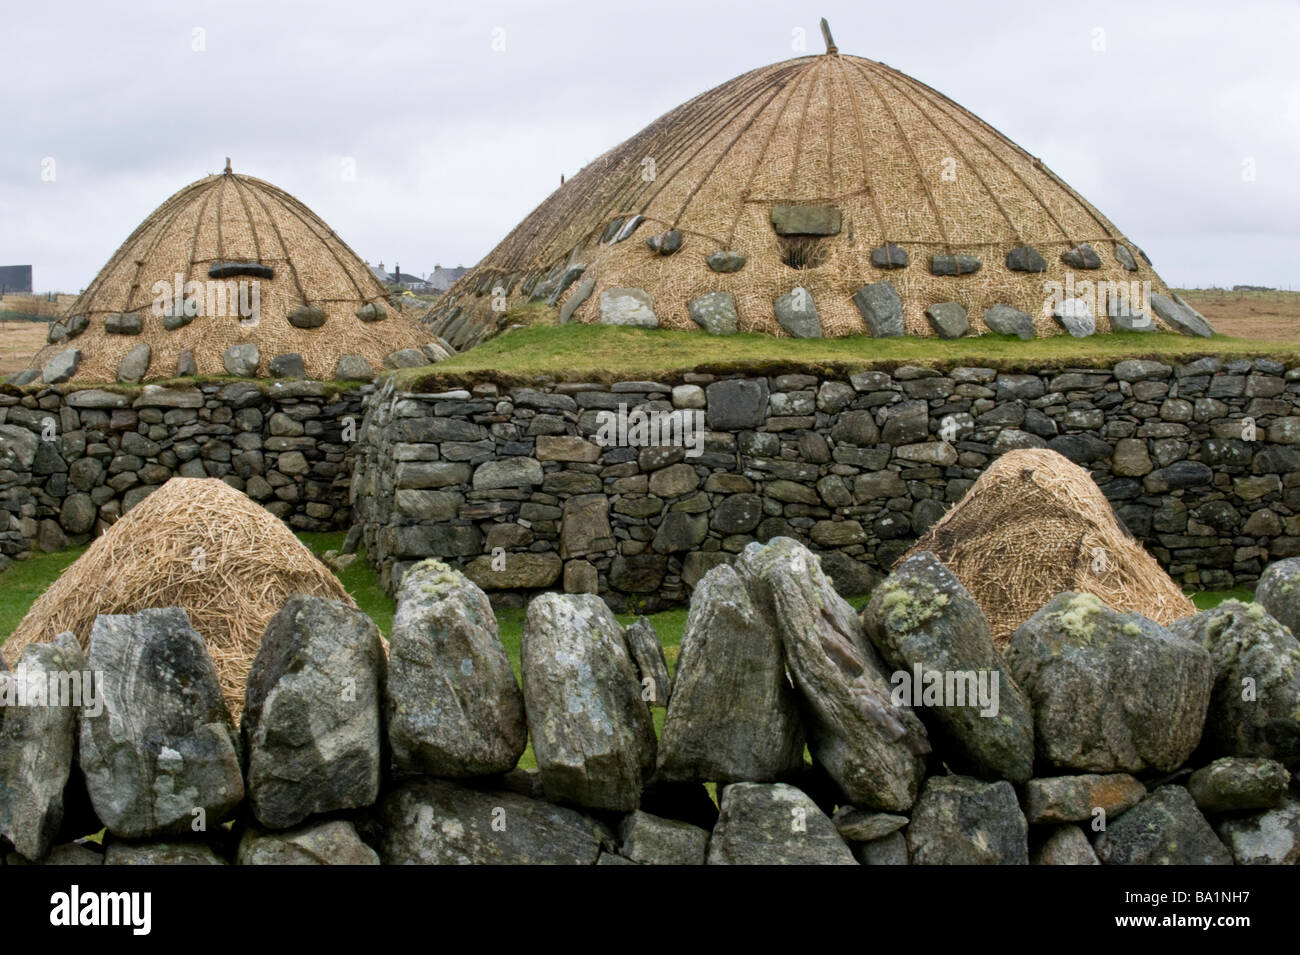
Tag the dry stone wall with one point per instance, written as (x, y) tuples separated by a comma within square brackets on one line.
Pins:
[(1200, 460), (73, 462)]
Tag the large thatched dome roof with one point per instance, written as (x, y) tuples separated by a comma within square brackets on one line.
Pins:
[(225, 229), (871, 157)]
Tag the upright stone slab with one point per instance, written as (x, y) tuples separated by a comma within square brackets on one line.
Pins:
[(922, 620), (627, 306), (1006, 320), (715, 312), (592, 732), (870, 747), (312, 713), (454, 708), (648, 654), (38, 735), (881, 308), (774, 824), (733, 715), (437, 822), (1255, 708), (163, 745), (1110, 692), (797, 314)]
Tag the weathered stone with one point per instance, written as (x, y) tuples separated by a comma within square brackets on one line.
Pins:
[(1082, 256), (405, 358), (38, 741), (61, 367), (648, 655), (806, 220), (954, 264), (674, 481), (736, 404), (1110, 692), (907, 422), (855, 825), (881, 308), (288, 365), (1005, 320), (241, 360), (889, 256), (797, 314), (1131, 457), (312, 720), (1181, 316), (584, 528), (887, 850), (575, 301), (592, 732), (132, 368), (306, 316), (715, 312), (1074, 315), (77, 515), (185, 364), (161, 853), (1077, 798), (1125, 258), (948, 319), (1165, 828), (732, 715), (924, 622), (1067, 845), (162, 744), (327, 843), (871, 748), (521, 571), (725, 261), (1270, 838), (454, 708), (436, 822), (1238, 783), (679, 531), (1026, 258), (123, 323), (773, 823), (627, 306), (506, 473), (1180, 474), (1278, 591), (1255, 707), (963, 821), (651, 840)]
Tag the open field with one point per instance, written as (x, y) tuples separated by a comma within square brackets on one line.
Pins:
[(19, 341), (1265, 316)]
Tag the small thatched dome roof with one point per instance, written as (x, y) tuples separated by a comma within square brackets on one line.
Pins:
[(869, 156), (231, 234)]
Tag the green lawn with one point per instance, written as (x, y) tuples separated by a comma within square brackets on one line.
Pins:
[(605, 353)]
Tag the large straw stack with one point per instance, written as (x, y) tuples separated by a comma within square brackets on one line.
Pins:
[(904, 165), (1034, 525), (232, 218), (195, 543)]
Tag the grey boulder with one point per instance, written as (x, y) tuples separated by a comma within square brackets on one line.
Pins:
[(652, 840), (1166, 828), (1237, 783), (923, 621), (1005, 320), (454, 708), (1269, 838), (648, 655), (592, 732), (773, 824), (1278, 592), (162, 754), (715, 312), (963, 821), (948, 319), (881, 308), (326, 843), (311, 722), (1110, 692), (732, 715), (796, 313)]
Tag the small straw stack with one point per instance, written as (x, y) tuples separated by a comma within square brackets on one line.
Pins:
[(1034, 525)]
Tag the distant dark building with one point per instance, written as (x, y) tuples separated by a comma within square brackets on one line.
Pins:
[(15, 278)]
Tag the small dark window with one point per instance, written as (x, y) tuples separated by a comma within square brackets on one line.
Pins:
[(803, 251)]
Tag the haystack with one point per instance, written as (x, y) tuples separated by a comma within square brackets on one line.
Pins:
[(195, 543), (870, 158), (1035, 524), (226, 234)]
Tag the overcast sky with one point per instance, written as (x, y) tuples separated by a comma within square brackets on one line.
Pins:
[(1179, 120)]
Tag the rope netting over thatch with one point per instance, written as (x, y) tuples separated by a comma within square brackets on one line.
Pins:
[(902, 163), (232, 218), (1034, 525), (195, 543)]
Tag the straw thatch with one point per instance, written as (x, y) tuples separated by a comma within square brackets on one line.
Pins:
[(1035, 525), (904, 165), (195, 543), (231, 218)]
